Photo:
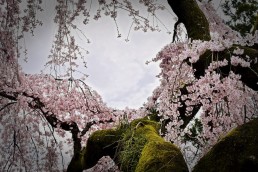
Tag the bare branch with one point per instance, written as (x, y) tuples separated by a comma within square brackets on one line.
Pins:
[(6, 105)]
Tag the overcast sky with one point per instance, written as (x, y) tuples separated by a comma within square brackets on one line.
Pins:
[(116, 68)]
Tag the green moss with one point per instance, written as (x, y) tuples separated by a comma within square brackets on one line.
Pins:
[(237, 152), (134, 140), (144, 150), (161, 156), (134, 147), (145, 121), (131, 147)]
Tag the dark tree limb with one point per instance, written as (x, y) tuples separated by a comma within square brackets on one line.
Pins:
[(197, 28), (248, 74), (192, 17), (67, 126), (51, 118), (91, 123)]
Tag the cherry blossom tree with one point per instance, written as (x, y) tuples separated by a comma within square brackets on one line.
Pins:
[(208, 83)]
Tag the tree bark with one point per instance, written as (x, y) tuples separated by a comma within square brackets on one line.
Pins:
[(189, 13), (197, 27)]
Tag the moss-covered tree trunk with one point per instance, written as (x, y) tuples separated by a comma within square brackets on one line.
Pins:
[(197, 28), (237, 152), (195, 22), (134, 147)]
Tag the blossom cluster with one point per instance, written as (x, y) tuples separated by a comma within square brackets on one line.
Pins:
[(225, 101), (39, 96)]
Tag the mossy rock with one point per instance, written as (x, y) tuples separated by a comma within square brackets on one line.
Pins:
[(237, 152)]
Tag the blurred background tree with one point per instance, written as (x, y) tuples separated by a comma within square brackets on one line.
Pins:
[(241, 15)]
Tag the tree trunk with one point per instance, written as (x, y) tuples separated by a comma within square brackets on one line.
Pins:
[(189, 13)]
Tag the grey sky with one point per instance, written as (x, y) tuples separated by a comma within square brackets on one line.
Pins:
[(116, 69)]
